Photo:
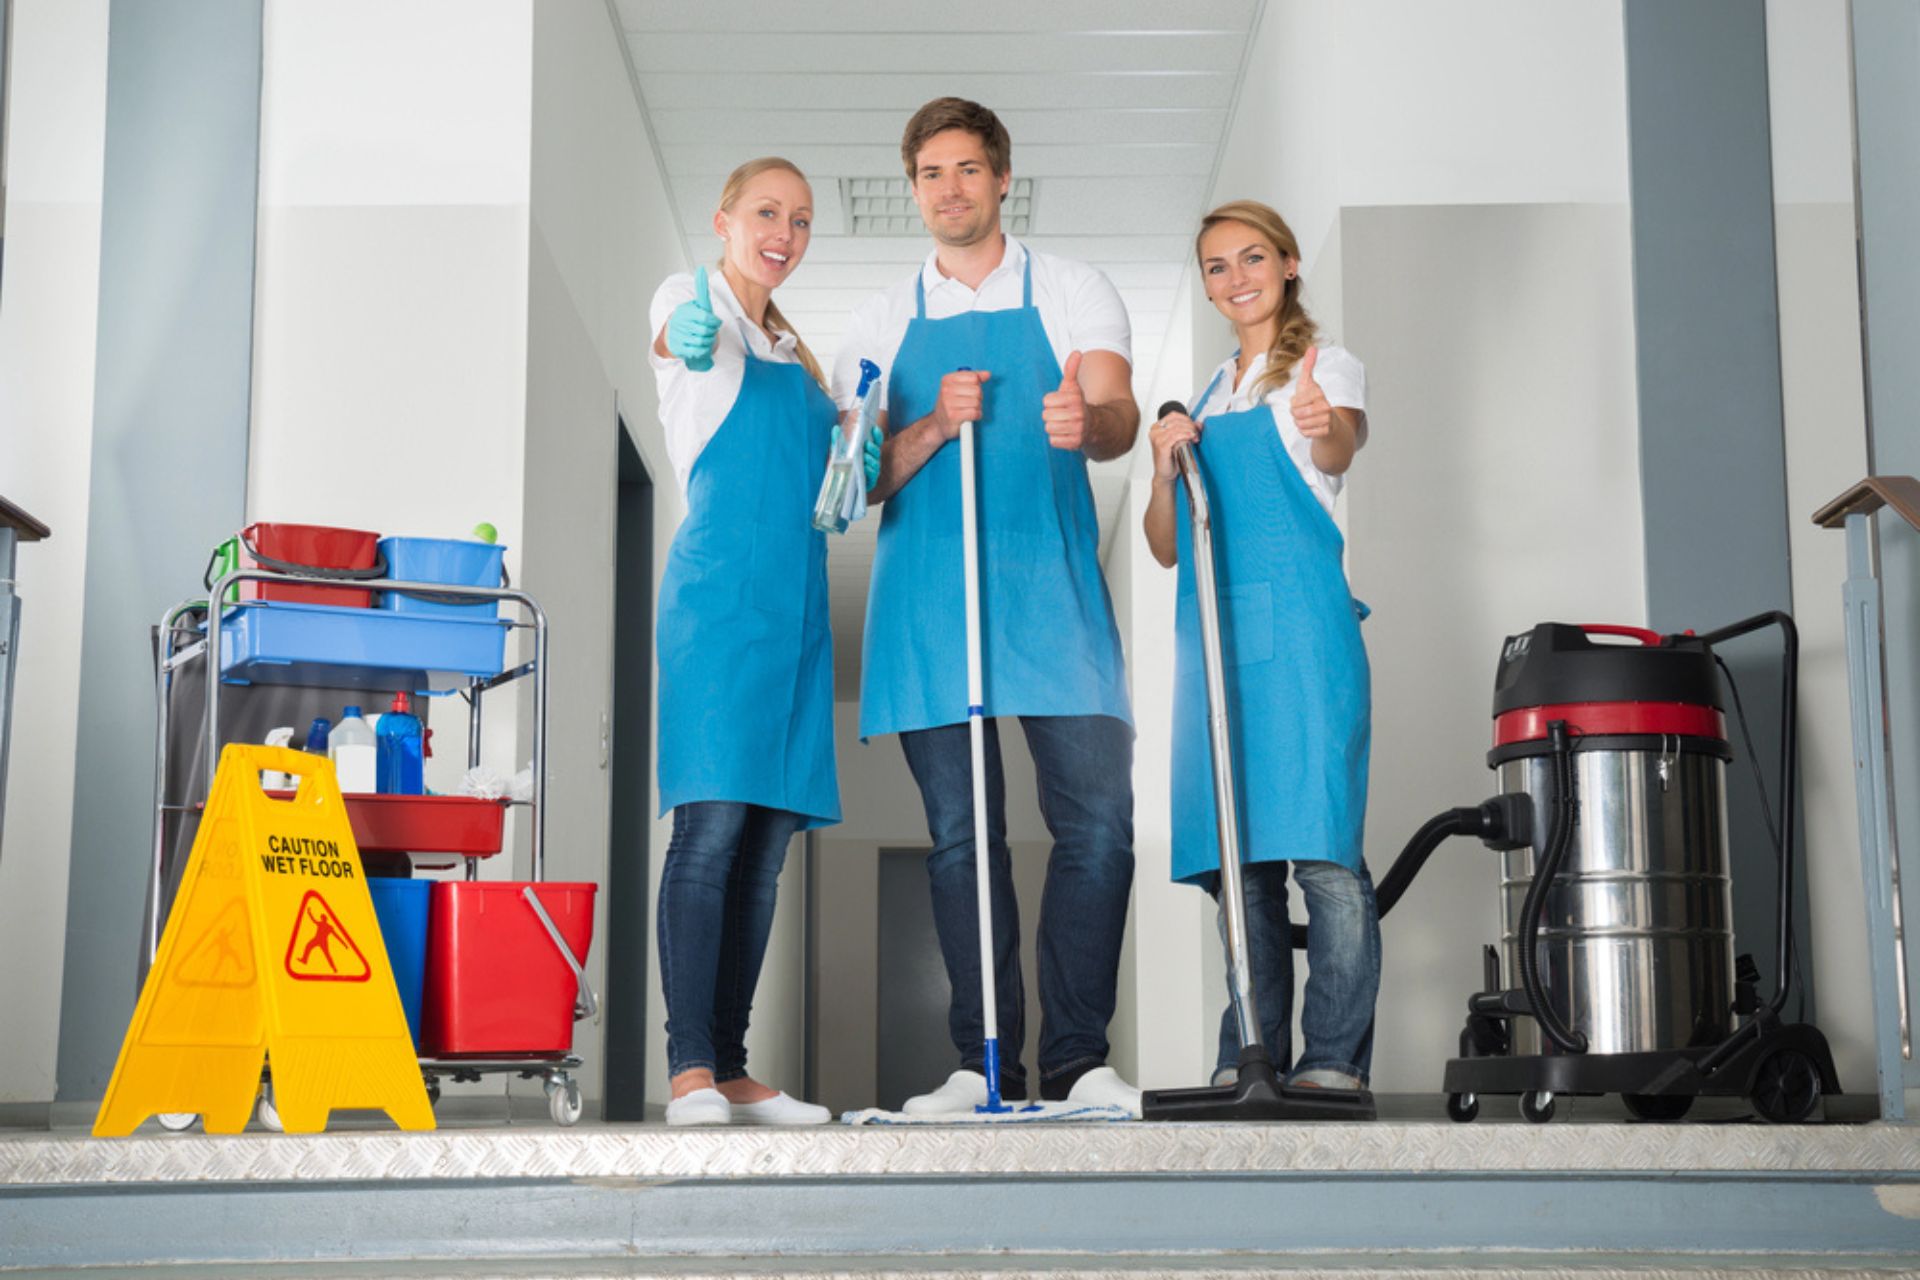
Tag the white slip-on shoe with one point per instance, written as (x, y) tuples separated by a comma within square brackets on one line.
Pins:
[(1324, 1078), (780, 1109), (702, 1106), (1103, 1087), (963, 1091)]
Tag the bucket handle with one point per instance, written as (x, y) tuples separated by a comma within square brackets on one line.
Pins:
[(1650, 639), (379, 569), (586, 1003), (448, 597)]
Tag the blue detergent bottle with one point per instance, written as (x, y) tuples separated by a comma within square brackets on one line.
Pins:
[(398, 765)]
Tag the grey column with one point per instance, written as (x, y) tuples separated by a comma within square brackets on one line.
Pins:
[(171, 392), (1886, 85), (1707, 342)]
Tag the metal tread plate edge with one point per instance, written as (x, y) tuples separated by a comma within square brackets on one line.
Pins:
[(1139, 1150)]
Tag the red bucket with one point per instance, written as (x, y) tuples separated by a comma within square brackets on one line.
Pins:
[(496, 982), (294, 548)]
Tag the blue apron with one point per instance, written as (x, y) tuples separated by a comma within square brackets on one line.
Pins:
[(1049, 644), (1298, 695), (746, 649)]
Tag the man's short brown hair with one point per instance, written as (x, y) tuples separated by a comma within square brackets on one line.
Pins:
[(943, 114)]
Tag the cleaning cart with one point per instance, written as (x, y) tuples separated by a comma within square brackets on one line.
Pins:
[(501, 964)]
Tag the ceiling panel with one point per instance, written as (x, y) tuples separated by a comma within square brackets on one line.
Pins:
[(906, 91), (757, 128), (1117, 110), (937, 17), (838, 53)]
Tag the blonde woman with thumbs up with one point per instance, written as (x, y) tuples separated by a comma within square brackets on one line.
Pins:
[(1274, 433), (746, 653)]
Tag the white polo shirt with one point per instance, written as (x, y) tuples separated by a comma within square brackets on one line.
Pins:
[(1342, 378), (1079, 308), (693, 405)]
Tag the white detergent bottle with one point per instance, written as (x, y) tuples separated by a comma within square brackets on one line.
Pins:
[(351, 748)]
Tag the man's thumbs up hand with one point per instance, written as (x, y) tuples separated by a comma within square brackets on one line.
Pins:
[(1312, 415), (1064, 412)]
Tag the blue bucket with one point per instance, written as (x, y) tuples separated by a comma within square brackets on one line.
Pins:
[(446, 560), (401, 908)]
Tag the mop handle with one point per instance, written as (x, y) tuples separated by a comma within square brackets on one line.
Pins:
[(976, 731), (1233, 901)]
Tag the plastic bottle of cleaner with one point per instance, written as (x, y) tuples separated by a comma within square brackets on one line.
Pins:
[(317, 736), (273, 779), (351, 749), (399, 755), (843, 489)]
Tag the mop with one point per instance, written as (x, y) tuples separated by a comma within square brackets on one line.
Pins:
[(1257, 1093), (993, 1111)]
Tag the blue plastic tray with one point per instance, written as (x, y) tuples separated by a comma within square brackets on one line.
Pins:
[(269, 642)]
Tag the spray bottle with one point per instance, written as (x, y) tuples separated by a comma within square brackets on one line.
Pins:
[(843, 491)]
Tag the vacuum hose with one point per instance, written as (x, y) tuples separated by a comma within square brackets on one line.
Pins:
[(1503, 822), (1559, 838)]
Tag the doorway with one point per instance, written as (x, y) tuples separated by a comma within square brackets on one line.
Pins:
[(631, 762)]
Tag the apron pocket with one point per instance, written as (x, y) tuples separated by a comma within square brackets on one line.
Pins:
[(1246, 627)]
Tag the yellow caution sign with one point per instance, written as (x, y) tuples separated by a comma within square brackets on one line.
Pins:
[(272, 954)]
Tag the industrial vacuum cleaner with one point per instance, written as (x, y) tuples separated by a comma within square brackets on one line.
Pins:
[(1615, 897)]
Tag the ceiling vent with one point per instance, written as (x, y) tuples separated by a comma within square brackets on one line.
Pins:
[(885, 207)]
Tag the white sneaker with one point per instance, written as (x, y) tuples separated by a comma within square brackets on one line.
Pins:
[(1324, 1078), (1103, 1087), (779, 1109), (702, 1106), (963, 1091)]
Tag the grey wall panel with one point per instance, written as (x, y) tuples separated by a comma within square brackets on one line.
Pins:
[(1886, 56), (171, 389), (1707, 343)]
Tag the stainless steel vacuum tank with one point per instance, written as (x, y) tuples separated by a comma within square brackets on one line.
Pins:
[(1635, 939)]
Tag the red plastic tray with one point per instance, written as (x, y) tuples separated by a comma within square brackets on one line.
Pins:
[(422, 824), (319, 545), (496, 984)]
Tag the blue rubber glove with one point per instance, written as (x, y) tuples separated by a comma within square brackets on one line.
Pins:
[(873, 456), (693, 326)]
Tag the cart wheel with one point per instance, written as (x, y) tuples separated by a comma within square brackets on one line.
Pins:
[(1786, 1088), (1462, 1107), (1657, 1106), (1536, 1106), (266, 1113), (177, 1121), (563, 1099)]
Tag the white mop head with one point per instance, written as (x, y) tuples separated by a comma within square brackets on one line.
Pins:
[(1021, 1113)]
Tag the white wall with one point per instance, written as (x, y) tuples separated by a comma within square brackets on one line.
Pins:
[(57, 82), (602, 237), (1808, 66), (1457, 178), (391, 282)]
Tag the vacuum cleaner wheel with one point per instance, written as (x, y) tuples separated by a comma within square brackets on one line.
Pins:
[(1786, 1088), (1657, 1106)]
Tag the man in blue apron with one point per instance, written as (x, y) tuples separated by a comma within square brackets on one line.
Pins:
[(1036, 350)]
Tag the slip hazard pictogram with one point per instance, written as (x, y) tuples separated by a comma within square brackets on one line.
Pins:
[(320, 949), (222, 956)]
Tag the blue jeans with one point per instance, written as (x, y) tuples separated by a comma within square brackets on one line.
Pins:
[(1085, 770), (716, 909), (1343, 967)]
